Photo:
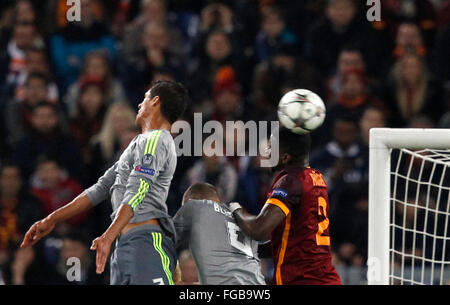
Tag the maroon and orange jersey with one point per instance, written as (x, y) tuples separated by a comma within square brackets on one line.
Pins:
[(301, 243)]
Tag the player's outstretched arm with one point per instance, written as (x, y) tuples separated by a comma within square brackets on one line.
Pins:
[(43, 227), (258, 227)]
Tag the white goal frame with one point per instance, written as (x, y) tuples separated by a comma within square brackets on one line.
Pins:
[(382, 140)]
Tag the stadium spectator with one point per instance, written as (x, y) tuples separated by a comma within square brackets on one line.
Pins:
[(216, 171), (411, 90), (89, 114), (18, 112), (409, 40), (47, 138), (348, 59), (395, 12), (25, 35), (74, 245), (355, 93), (219, 17), (18, 208), (25, 12), (274, 32), (355, 97), (216, 16), (54, 188), (36, 62), (340, 160), (371, 118), (341, 27), (96, 68), (26, 267), (154, 54), (218, 52), (227, 97), (70, 45), (269, 78), (153, 12)]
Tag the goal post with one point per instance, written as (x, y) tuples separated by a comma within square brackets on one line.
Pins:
[(382, 203)]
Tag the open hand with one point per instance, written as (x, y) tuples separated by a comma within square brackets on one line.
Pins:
[(102, 245)]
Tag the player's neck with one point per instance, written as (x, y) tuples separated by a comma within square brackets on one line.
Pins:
[(300, 164), (155, 123)]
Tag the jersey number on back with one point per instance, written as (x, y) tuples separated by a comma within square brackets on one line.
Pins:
[(322, 240), (238, 239)]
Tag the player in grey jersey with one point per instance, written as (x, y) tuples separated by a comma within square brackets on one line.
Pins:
[(224, 255), (138, 184)]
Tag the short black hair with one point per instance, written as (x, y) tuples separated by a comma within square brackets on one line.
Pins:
[(296, 145), (48, 158), (346, 118), (351, 48), (174, 98), (331, 2), (201, 191), (8, 164)]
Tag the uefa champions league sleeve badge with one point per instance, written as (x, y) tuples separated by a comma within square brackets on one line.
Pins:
[(147, 160)]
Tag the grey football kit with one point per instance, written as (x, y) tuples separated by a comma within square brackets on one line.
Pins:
[(141, 178), (224, 255)]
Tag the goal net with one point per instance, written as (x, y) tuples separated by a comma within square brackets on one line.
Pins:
[(409, 201)]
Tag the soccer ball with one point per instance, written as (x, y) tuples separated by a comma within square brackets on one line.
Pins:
[(301, 111)]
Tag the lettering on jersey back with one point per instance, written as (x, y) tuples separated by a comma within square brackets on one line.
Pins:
[(219, 209), (317, 179)]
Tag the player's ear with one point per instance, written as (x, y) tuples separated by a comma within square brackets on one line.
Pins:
[(155, 100), (285, 158)]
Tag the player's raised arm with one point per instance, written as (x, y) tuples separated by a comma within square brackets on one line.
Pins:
[(83, 202), (258, 227), (44, 226)]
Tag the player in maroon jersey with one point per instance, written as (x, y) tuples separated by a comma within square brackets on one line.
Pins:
[(294, 217)]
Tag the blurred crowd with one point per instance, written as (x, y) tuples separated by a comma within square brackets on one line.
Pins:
[(69, 93)]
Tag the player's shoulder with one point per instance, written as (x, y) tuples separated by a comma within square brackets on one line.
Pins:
[(156, 137), (197, 203), (206, 206), (290, 176), (290, 181), (192, 207), (314, 177), (160, 134)]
